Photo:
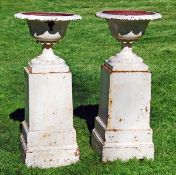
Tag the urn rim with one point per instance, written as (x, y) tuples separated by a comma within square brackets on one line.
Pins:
[(48, 16), (129, 15)]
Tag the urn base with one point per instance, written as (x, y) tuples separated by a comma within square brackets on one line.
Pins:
[(126, 60), (48, 62), (122, 144), (46, 149)]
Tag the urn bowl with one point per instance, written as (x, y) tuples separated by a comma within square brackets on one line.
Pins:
[(47, 26), (127, 25)]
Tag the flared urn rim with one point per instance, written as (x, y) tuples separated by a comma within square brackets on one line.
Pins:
[(128, 15), (48, 16)]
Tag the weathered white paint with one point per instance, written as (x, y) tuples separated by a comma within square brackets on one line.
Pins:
[(47, 28), (129, 17), (38, 16), (122, 128), (48, 137), (126, 60), (48, 62)]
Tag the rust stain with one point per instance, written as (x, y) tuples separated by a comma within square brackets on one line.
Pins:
[(113, 130), (29, 151), (106, 69), (146, 109), (46, 135), (29, 69), (108, 121), (109, 115), (77, 153), (121, 119), (110, 102), (135, 139), (121, 71)]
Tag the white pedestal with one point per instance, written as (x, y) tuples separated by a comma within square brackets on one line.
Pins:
[(122, 128), (48, 137)]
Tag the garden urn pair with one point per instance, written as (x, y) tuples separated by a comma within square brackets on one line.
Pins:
[(122, 127)]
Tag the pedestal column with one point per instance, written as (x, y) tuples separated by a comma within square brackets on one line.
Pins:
[(122, 127), (48, 137)]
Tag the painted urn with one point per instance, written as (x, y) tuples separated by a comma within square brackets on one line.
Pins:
[(47, 28), (127, 26)]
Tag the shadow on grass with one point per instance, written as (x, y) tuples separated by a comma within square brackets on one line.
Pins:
[(88, 113), (18, 115)]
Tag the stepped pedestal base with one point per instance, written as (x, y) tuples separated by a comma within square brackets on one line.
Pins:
[(122, 128), (47, 149), (122, 144), (48, 137)]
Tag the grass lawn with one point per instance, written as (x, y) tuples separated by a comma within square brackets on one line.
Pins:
[(86, 45)]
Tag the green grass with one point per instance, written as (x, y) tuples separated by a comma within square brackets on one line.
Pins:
[(86, 45)]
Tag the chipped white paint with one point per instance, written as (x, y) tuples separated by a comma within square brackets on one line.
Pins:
[(47, 28), (129, 17), (53, 16), (48, 137), (126, 60), (122, 127)]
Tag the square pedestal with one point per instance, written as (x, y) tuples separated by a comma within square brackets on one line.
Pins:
[(122, 128), (48, 137)]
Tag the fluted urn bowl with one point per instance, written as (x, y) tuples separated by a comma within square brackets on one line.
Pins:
[(127, 26), (47, 28)]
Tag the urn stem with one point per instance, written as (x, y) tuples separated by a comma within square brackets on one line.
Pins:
[(126, 44)]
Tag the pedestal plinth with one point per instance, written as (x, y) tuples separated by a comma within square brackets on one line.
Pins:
[(122, 128), (48, 137)]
